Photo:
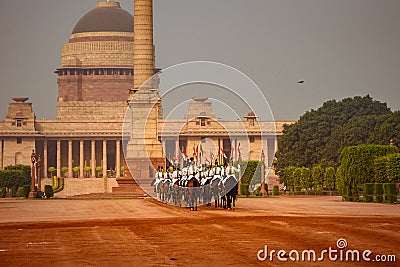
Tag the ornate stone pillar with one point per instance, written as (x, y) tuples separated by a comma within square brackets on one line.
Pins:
[(93, 158), (58, 158), (143, 54), (177, 151), (118, 158), (81, 158), (70, 166), (45, 158), (104, 158)]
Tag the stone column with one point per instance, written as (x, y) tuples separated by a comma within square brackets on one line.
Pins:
[(70, 158), (81, 158), (93, 158), (263, 191), (45, 159), (118, 158), (104, 158), (58, 158), (143, 56)]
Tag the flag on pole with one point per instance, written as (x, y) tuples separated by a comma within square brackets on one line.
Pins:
[(207, 161), (184, 155), (222, 152)]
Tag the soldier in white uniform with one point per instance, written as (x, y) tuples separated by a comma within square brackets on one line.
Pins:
[(231, 171)]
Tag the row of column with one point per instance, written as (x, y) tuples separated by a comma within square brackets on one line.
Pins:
[(81, 158)]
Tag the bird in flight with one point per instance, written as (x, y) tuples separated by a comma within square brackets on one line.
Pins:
[(300, 82)]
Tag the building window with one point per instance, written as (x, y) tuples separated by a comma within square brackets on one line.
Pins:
[(251, 122), (251, 139), (203, 122), (19, 123), (19, 140)]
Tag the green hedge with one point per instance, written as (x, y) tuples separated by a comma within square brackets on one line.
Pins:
[(390, 191), (3, 192), (379, 192), (20, 192), (27, 189), (13, 191), (357, 166), (276, 190), (297, 190), (320, 190), (368, 194)]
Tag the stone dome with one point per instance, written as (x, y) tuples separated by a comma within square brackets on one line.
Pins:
[(106, 17)]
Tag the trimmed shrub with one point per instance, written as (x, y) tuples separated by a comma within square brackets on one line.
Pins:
[(51, 170), (357, 166), (379, 192), (368, 194), (244, 188), (13, 191), (258, 191), (27, 189), (48, 191), (20, 192), (297, 190), (276, 190), (320, 190), (390, 191), (64, 170), (3, 192)]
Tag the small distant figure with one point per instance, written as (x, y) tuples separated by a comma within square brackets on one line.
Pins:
[(300, 82)]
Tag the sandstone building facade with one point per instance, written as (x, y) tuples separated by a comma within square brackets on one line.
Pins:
[(100, 71)]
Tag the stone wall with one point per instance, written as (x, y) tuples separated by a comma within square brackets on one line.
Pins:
[(14, 153), (78, 186)]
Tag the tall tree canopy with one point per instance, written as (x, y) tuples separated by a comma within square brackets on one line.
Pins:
[(320, 135)]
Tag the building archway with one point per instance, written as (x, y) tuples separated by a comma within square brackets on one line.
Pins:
[(19, 158)]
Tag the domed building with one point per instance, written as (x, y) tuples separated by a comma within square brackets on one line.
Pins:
[(97, 76)]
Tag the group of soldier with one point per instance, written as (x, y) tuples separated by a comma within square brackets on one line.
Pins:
[(203, 173), (205, 176)]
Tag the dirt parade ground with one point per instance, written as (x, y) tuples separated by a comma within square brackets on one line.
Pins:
[(143, 232)]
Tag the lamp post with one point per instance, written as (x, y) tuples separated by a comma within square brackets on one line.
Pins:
[(263, 174), (39, 177), (32, 194), (240, 174)]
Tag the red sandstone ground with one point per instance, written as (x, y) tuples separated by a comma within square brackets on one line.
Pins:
[(137, 232)]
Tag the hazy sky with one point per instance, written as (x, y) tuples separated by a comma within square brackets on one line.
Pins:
[(340, 48)]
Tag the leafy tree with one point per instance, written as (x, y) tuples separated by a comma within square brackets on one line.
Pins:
[(320, 135), (296, 177), (13, 178), (305, 178), (288, 177), (330, 178), (251, 168), (26, 169), (317, 174), (389, 129)]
